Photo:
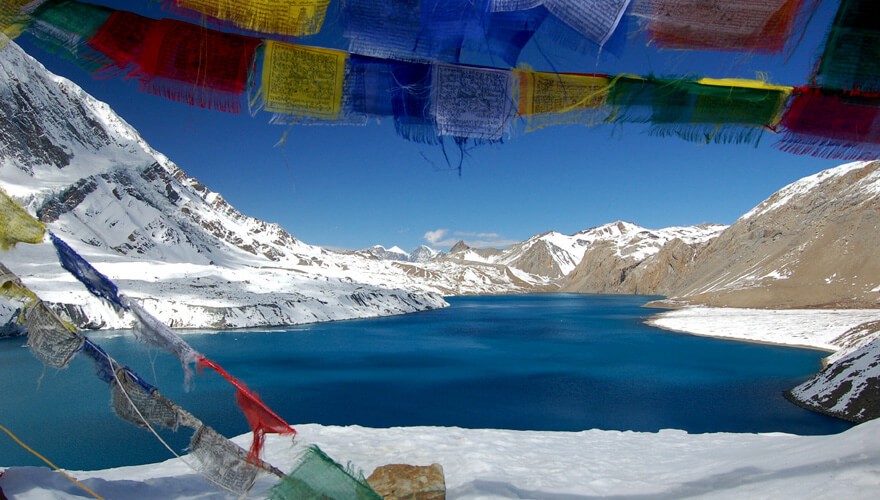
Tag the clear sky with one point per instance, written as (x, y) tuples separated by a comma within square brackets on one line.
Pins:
[(357, 186)]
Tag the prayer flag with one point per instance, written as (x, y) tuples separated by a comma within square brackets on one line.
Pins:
[(411, 101), (99, 285), (832, 124), (221, 461), (16, 225), (64, 26), (303, 81), (594, 19), (384, 28), (157, 334), (318, 476), (281, 17), (138, 403), (506, 34), (557, 98), (11, 20), (179, 61), (708, 110), (261, 419), (851, 60), (761, 26), (13, 289), (52, 340), (471, 102)]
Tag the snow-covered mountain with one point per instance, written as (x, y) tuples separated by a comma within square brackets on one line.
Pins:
[(421, 254), (163, 237)]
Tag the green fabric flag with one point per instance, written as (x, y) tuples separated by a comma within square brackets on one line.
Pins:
[(706, 110), (851, 60), (63, 27), (318, 476)]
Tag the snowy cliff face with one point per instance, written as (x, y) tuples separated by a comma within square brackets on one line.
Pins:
[(812, 244), (163, 237)]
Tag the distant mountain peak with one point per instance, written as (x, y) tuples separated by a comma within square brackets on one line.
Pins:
[(461, 246)]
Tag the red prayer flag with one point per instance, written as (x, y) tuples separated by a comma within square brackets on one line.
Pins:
[(261, 419), (180, 61), (832, 124)]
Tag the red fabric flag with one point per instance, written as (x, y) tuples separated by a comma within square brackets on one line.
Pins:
[(261, 419), (179, 61), (761, 26), (832, 124)]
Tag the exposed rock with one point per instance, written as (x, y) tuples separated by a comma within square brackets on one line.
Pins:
[(409, 482), (812, 244), (459, 247), (848, 388)]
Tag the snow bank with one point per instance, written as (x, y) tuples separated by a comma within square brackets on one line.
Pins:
[(815, 328), (525, 464)]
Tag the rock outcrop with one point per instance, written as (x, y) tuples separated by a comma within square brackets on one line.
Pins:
[(812, 244)]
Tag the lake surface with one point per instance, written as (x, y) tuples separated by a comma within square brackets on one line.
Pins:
[(536, 362)]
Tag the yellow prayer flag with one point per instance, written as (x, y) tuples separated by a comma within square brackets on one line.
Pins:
[(12, 288), (303, 81), (559, 92), (16, 225), (283, 17), (11, 22)]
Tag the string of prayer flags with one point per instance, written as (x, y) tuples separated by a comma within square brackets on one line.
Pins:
[(302, 81), (760, 26), (556, 98), (832, 124), (55, 342), (851, 60), (432, 100), (180, 61), (296, 18), (319, 476), (261, 419), (98, 284), (472, 102), (16, 225)]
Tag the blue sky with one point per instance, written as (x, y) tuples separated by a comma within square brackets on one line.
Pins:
[(353, 187)]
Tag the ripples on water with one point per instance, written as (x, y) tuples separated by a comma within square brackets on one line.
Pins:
[(536, 362)]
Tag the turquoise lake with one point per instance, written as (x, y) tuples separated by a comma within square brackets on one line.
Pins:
[(536, 362)]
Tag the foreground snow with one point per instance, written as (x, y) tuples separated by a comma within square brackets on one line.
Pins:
[(541, 465), (816, 328)]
